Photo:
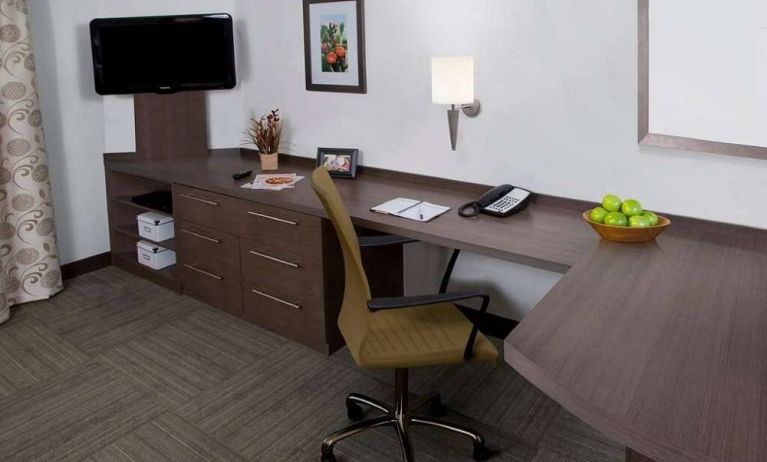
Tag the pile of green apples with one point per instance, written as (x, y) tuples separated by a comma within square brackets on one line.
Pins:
[(615, 212)]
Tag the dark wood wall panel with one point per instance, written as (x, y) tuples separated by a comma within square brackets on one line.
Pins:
[(174, 125)]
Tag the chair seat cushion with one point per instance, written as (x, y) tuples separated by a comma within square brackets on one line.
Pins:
[(421, 336)]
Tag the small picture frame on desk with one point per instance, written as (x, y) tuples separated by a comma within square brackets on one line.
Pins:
[(341, 163)]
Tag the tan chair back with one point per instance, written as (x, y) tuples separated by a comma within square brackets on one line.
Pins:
[(354, 319)]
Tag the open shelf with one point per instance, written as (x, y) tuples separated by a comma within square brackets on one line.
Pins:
[(131, 232), (126, 200), (128, 261)]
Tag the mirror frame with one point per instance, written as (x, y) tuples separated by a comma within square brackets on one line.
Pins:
[(670, 141)]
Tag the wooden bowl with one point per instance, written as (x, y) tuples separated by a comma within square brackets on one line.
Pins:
[(626, 234)]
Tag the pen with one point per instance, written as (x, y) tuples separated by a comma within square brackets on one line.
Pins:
[(420, 211)]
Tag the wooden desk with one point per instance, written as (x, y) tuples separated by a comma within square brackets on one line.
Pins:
[(662, 346), (548, 235)]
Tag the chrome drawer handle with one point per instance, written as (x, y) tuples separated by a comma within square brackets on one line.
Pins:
[(205, 273), (200, 236), (204, 201), (280, 220), (276, 260), (278, 300)]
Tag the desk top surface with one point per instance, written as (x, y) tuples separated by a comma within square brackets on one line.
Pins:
[(550, 234), (663, 346)]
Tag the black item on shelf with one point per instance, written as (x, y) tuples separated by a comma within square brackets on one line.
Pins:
[(158, 200)]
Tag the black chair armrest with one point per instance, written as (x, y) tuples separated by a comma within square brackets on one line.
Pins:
[(383, 240), (393, 303)]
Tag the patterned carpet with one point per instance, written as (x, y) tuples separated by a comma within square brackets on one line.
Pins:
[(116, 369)]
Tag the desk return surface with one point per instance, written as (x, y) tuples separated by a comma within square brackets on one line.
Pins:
[(663, 346)]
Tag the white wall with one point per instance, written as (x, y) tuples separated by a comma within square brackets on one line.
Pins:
[(74, 125), (557, 80), (558, 84), (81, 126)]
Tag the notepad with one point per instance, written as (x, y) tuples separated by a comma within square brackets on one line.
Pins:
[(411, 209)]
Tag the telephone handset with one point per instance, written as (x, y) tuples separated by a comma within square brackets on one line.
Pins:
[(502, 201)]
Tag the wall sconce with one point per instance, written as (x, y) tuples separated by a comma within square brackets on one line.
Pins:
[(452, 83)]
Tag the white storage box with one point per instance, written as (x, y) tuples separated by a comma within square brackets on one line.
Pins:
[(156, 226), (154, 256)]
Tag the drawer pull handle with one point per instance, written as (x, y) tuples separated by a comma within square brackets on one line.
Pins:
[(280, 220), (278, 300), (200, 236), (276, 260), (204, 201), (205, 273)]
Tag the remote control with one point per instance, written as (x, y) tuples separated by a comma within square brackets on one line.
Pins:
[(240, 175)]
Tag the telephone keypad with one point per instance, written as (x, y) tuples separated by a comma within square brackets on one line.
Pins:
[(509, 201)]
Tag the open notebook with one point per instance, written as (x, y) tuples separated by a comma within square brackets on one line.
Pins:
[(411, 209)]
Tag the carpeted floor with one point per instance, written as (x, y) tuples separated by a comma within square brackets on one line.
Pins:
[(117, 369)]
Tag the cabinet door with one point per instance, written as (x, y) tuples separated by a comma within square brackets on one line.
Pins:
[(220, 291), (214, 250), (209, 264), (205, 208)]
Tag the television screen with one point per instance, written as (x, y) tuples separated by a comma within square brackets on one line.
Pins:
[(163, 54)]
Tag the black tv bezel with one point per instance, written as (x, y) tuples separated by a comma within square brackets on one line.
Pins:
[(103, 89)]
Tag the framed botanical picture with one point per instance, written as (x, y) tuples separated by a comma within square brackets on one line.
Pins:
[(341, 163), (334, 45)]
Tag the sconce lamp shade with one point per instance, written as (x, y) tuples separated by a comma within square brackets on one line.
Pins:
[(452, 80)]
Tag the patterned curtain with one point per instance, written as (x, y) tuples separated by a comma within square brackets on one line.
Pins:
[(29, 265)]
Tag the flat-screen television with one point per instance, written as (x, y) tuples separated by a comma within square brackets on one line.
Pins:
[(163, 54)]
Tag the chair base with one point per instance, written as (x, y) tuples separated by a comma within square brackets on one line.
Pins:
[(400, 417)]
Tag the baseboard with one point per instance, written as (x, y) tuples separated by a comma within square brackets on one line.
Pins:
[(85, 266)]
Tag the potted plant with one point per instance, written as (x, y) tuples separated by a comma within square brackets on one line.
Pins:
[(265, 133)]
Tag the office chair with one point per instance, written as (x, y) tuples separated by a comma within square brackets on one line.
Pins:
[(398, 333)]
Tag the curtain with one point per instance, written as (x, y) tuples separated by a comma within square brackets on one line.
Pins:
[(29, 264)]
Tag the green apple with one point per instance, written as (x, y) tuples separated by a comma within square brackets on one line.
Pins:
[(652, 218), (598, 215), (631, 207), (611, 203), (639, 221), (616, 219)]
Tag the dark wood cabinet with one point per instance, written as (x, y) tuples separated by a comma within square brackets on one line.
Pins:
[(261, 263)]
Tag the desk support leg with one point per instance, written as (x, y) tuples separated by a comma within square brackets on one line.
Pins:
[(633, 456)]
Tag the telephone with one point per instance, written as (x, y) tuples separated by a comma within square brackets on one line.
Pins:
[(502, 201)]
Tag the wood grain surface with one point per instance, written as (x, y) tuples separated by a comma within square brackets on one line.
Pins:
[(661, 345), (550, 234)]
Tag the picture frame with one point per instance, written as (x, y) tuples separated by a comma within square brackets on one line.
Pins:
[(341, 163), (334, 46)]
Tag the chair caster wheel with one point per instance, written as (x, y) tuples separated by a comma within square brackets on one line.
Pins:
[(482, 452), (329, 457), (437, 409), (354, 411)]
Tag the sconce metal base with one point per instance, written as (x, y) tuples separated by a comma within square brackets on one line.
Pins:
[(470, 110), (452, 120)]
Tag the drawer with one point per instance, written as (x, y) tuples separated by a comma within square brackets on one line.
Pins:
[(216, 251), (281, 228), (287, 270), (294, 315), (221, 292), (205, 208)]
